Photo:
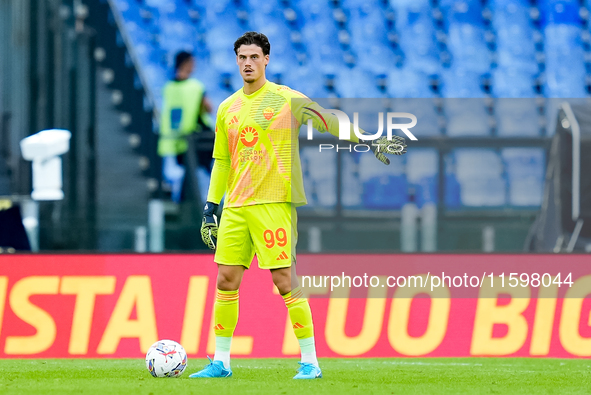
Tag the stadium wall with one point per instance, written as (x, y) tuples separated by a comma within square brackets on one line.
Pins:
[(116, 306)]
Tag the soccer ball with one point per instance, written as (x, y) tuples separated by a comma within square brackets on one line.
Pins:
[(166, 358)]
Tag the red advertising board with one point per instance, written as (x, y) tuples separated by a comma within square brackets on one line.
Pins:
[(63, 306)]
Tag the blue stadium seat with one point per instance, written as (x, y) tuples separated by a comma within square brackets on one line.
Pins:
[(413, 5), (219, 10), (273, 25), (467, 117), (369, 40), (262, 7), (220, 40), (356, 82), (321, 38), (514, 34), (161, 4), (307, 80), (361, 4), (172, 10), (462, 12), (422, 170), (367, 27), (479, 173), (377, 58), (457, 83), (517, 118), (384, 187), (464, 117), (417, 39), (130, 10), (148, 53), (352, 188), (176, 35), (509, 12), (525, 170), (385, 192), (139, 33), (562, 39), (408, 82), (565, 63), (314, 10), (468, 48), (283, 54), (559, 12), (319, 169), (513, 82)]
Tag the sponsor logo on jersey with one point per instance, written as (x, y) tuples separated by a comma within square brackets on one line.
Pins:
[(233, 120), (249, 136), (268, 113)]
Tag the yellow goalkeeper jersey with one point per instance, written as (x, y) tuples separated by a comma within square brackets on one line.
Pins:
[(258, 134)]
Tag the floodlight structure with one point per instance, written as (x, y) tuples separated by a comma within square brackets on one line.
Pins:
[(43, 149)]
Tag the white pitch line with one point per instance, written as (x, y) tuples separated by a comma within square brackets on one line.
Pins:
[(418, 363)]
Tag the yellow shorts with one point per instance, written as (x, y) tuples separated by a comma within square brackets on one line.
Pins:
[(269, 230)]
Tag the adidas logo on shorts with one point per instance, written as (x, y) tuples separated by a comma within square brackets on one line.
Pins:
[(282, 256)]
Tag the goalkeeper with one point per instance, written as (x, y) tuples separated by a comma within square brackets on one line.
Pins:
[(257, 166)]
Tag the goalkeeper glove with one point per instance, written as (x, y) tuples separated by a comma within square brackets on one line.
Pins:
[(209, 225), (381, 146)]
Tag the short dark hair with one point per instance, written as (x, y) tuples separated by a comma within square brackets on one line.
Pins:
[(181, 58), (256, 38)]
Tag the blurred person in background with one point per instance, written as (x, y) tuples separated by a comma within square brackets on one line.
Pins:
[(185, 111)]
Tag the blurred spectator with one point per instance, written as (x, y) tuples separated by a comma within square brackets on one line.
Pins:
[(185, 111)]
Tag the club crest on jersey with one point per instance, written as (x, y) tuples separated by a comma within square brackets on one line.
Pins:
[(268, 113), (249, 136)]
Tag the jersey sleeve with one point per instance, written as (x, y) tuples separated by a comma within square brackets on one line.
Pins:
[(305, 109), (220, 147), (219, 180)]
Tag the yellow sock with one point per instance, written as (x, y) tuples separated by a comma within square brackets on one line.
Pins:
[(225, 314), (301, 320)]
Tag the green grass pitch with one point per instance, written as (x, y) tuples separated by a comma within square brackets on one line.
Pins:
[(274, 376)]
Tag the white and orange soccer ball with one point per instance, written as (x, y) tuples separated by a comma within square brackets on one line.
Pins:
[(166, 358)]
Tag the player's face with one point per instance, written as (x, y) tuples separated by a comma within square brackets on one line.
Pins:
[(251, 62)]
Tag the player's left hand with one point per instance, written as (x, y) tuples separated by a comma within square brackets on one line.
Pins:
[(209, 225), (381, 146)]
